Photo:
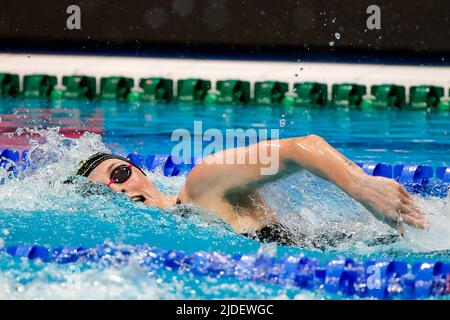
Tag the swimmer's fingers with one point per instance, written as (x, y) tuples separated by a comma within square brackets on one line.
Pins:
[(413, 219), (418, 211), (403, 192), (396, 224), (401, 228), (417, 223), (411, 208), (406, 200)]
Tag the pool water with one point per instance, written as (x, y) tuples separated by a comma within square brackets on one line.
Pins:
[(40, 209)]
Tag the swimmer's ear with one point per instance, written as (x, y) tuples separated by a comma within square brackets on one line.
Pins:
[(86, 187)]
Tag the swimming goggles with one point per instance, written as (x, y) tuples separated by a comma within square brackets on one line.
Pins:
[(120, 174)]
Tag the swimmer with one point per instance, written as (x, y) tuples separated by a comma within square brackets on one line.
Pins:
[(231, 190)]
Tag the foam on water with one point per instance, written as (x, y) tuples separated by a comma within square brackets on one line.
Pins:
[(22, 279), (305, 203), (315, 208), (39, 208)]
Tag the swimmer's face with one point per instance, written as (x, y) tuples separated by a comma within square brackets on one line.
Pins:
[(138, 187)]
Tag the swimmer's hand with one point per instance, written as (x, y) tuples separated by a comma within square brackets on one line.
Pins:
[(389, 202)]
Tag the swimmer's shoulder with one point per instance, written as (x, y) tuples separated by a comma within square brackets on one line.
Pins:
[(199, 185), (207, 196)]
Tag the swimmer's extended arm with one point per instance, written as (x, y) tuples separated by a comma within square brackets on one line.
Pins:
[(222, 173)]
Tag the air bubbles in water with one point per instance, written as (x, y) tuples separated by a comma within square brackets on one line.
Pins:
[(267, 250)]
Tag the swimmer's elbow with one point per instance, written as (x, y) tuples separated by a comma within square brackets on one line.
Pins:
[(311, 139), (294, 147)]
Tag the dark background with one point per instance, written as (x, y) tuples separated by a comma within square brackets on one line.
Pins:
[(412, 31)]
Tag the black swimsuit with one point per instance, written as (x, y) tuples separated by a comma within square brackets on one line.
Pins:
[(279, 234), (274, 232)]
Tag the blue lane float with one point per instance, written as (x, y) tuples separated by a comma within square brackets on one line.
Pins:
[(377, 169), (443, 173), (396, 279), (380, 279), (10, 154), (420, 179), (413, 173)]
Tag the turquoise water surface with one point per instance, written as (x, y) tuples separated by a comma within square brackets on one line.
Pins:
[(40, 209)]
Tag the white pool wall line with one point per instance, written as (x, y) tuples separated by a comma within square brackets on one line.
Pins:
[(291, 72)]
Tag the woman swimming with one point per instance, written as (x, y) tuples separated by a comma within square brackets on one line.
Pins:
[(230, 190)]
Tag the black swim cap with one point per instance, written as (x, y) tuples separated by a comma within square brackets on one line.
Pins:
[(87, 166)]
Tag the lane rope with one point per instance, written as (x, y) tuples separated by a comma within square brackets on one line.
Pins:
[(379, 278)]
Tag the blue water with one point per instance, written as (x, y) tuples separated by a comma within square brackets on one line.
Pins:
[(41, 209)]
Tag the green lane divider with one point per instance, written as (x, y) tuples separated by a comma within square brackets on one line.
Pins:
[(270, 92), (193, 90), (233, 91), (9, 85), (134, 96), (156, 90), (288, 100), (311, 94), (38, 85), (367, 103), (425, 97), (229, 91), (115, 88), (443, 105), (210, 98), (348, 95), (78, 87), (56, 95), (388, 96)]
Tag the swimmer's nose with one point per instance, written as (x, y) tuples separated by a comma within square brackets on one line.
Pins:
[(136, 191)]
